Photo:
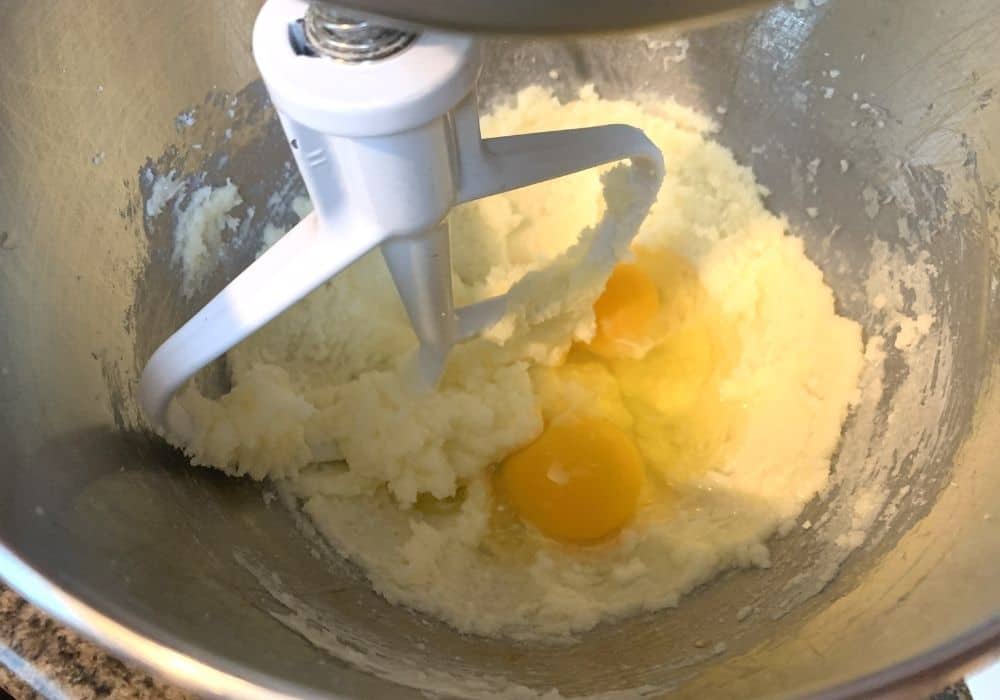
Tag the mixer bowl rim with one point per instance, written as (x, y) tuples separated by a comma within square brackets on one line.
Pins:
[(157, 651)]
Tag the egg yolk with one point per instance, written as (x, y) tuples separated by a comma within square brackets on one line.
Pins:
[(579, 482), (624, 311)]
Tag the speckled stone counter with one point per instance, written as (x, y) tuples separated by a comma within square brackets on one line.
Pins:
[(42, 659)]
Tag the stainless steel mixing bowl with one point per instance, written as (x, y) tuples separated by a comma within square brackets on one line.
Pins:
[(208, 582)]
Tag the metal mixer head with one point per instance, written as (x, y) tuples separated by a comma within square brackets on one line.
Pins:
[(547, 16)]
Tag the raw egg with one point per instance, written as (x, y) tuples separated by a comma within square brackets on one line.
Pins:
[(630, 416), (577, 483), (681, 421), (624, 312)]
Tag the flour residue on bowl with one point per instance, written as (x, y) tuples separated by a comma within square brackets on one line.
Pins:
[(905, 383)]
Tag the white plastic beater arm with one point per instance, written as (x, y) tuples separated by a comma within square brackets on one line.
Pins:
[(303, 259), (491, 166), (307, 256)]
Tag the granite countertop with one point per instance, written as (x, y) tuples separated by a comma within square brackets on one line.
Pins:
[(41, 659)]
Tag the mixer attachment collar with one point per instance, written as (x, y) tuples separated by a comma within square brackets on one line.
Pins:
[(331, 33)]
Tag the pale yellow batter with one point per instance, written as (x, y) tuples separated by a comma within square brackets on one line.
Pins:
[(726, 398)]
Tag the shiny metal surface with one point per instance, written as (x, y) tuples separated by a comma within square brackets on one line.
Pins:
[(550, 16), (200, 578), (329, 32)]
